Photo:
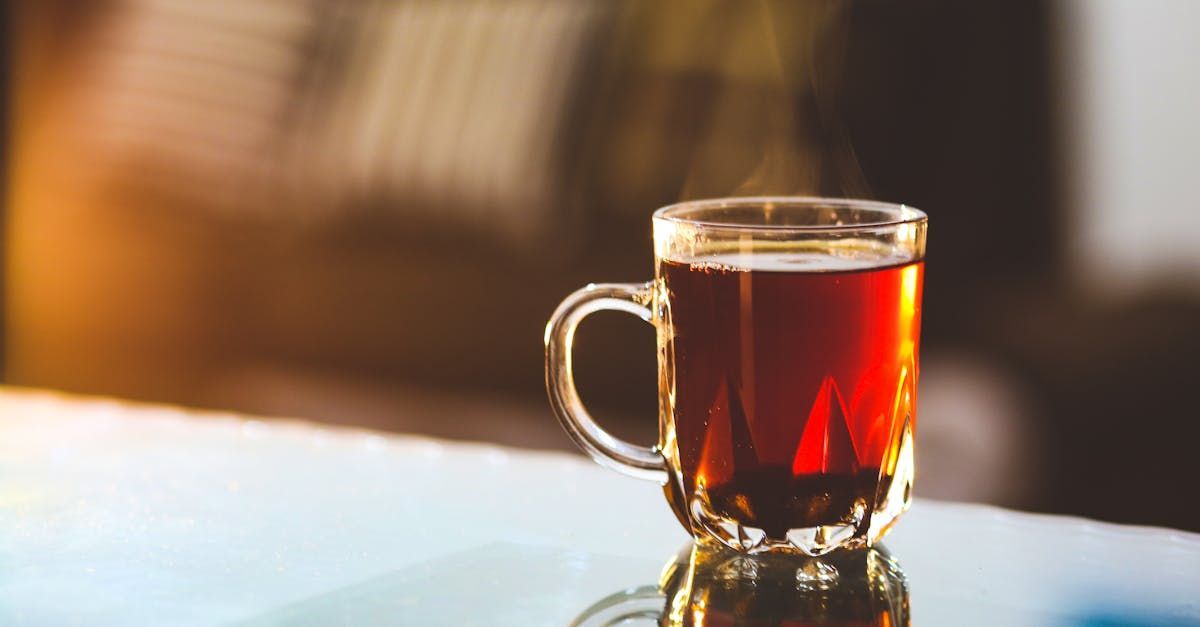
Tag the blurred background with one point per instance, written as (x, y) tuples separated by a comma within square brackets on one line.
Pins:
[(363, 212)]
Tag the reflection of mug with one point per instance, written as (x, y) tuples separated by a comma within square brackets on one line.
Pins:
[(787, 358), (707, 585)]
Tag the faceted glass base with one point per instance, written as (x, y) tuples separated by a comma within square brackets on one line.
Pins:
[(861, 522)]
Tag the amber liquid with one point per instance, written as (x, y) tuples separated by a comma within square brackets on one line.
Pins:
[(786, 387)]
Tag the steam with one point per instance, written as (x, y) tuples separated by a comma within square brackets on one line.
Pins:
[(774, 127)]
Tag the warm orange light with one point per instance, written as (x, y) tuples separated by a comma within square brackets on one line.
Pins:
[(910, 279)]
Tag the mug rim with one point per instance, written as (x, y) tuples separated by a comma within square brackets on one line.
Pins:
[(901, 214)]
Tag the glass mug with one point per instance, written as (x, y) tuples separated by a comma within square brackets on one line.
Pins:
[(788, 332)]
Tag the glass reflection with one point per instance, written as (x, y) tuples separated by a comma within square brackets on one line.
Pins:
[(711, 585)]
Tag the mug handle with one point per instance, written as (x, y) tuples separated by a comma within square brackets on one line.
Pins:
[(606, 449)]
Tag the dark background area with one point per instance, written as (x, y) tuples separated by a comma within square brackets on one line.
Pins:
[(364, 212)]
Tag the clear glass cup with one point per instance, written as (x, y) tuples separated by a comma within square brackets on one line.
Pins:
[(788, 338)]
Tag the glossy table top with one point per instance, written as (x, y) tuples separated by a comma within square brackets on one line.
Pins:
[(117, 514)]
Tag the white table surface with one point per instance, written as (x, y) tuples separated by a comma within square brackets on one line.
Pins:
[(121, 514)]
